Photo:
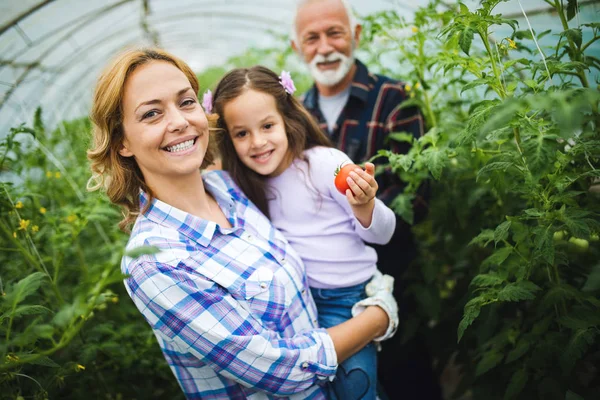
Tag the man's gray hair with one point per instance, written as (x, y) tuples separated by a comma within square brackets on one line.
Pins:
[(301, 3)]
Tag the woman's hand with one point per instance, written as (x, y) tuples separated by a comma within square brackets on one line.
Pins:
[(380, 292)]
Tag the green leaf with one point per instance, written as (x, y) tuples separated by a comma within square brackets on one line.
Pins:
[(494, 166), (402, 205), (518, 291), (593, 280), (471, 312), (517, 384), (486, 280), (519, 351), (465, 38), (435, 161), (501, 232), (26, 310), (403, 161), (575, 35), (25, 287), (539, 153), (531, 83), (498, 257), (45, 361), (142, 250), (402, 137), (544, 244), (479, 113), (483, 239), (489, 360), (578, 344), (571, 9)]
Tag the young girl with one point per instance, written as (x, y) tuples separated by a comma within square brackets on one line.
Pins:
[(284, 163), (226, 295)]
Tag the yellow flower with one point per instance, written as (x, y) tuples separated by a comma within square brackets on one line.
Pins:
[(15, 234), (417, 85), (407, 87), (48, 174), (19, 205), (415, 29), (80, 367), (71, 218), (57, 174), (115, 299), (511, 43), (35, 228), (23, 224), (42, 210)]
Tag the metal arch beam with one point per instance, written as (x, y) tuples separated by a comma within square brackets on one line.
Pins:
[(84, 83), (92, 45), (547, 10), (81, 77), (86, 18), (266, 21), (27, 71), (23, 15)]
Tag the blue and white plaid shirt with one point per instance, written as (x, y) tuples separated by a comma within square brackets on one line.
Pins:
[(230, 308)]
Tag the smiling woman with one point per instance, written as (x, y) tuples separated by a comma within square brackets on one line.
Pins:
[(226, 296)]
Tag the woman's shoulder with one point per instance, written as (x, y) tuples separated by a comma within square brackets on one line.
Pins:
[(219, 178)]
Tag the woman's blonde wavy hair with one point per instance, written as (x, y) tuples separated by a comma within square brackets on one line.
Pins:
[(120, 176)]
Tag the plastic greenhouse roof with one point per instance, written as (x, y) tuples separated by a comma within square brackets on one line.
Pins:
[(52, 51)]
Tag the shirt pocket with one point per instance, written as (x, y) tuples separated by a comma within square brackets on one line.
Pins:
[(266, 296)]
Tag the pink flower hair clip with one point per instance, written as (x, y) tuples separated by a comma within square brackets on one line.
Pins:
[(207, 102), (286, 81)]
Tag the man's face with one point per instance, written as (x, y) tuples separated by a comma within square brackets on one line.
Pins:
[(325, 40)]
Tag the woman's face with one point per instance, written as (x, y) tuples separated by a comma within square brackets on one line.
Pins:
[(165, 128)]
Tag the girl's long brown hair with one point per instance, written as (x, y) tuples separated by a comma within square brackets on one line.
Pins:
[(301, 129), (120, 176)]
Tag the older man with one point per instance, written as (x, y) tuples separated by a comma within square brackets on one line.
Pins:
[(358, 110)]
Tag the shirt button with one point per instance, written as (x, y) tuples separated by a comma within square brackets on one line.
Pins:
[(283, 261), (249, 238), (314, 321), (303, 291), (304, 365), (263, 285)]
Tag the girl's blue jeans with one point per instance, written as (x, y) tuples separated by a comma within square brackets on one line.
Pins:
[(356, 377)]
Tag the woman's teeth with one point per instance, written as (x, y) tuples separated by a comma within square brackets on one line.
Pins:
[(181, 146)]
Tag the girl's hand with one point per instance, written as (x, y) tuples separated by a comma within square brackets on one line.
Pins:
[(363, 186), (361, 196)]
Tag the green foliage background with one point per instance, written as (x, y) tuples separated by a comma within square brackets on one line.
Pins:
[(507, 282)]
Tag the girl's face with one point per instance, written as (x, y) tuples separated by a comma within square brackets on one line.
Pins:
[(165, 128), (258, 133)]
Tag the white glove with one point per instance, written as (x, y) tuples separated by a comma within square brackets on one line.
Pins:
[(380, 282), (380, 294)]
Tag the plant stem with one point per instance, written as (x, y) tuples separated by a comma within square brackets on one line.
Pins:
[(575, 53), (500, 89)]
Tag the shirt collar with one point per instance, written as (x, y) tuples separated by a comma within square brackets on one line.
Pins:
[(195, 228), (360, 88)]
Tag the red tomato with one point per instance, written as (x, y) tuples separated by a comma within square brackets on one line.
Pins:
[(341, 175)]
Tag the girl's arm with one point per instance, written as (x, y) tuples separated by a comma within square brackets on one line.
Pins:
[(375, 222), (351, 336)]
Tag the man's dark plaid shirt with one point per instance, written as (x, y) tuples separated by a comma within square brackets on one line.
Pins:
[(372, 112)]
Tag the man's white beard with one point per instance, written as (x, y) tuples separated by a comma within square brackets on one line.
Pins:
[(331, 77)]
